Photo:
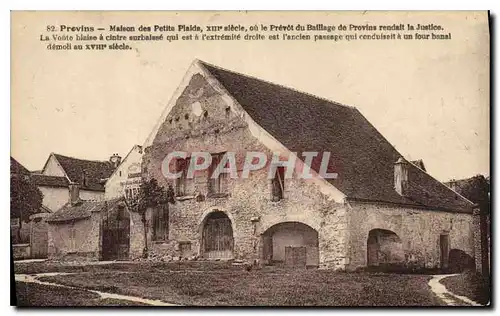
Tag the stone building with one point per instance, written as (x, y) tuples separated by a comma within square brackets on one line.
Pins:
[(380, 209), (94, 230), (84, 224)]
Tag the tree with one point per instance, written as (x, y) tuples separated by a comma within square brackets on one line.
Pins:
[(477, 189), (151, 195), (25, 199)]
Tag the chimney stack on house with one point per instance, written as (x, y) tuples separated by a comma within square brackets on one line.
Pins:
[(401, 176), (452, 184), (115, 160), (74, 193)]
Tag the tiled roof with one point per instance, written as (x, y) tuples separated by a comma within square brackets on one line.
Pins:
[(49, 181), (362, 157), (16, 167), (88, 173), (419, 163), (81, 210)]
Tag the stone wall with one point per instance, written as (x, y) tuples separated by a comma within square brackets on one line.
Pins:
[(86, 244), (21, 235), (39, 235), (21, 251), (136, 236), (419, 231), (54, 198)]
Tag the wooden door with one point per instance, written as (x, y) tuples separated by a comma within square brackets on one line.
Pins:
[(116, 234), (295, 257), (444, 245), (218, 237)]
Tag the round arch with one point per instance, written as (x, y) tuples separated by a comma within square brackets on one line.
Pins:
[(216, 233), (383, 248), (305, 218), (207, 212), (290, 243)]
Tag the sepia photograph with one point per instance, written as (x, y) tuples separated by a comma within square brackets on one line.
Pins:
[(250, 158)]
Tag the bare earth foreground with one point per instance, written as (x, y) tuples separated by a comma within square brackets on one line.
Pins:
[(219, 284)]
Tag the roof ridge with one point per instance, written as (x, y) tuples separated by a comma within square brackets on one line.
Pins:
[(203, 63), (91, 160)]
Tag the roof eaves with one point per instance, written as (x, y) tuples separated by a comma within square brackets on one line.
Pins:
[(411, 205)]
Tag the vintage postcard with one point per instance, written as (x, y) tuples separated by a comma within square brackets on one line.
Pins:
[(256, 158)]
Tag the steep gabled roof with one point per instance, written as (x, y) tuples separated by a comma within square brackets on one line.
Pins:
[(49, 181), (362, 157), (90, 174), (419, 163), (17, 168), (135, 147), (81, 210)]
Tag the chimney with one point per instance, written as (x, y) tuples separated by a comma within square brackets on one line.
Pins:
[(453, 184), (401, 176), (115, 160), (74, 193)]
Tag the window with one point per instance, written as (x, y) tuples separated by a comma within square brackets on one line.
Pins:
[(278, 184), (216, 185), (131, 193), (160, 223), (181, 165), (184, 248)]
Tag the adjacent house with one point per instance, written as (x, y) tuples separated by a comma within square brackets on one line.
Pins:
[(126, 178), (94, 230), (94, 221), (380, 209), (60, 171)]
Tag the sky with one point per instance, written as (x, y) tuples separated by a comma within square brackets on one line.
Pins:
[(430, 99)]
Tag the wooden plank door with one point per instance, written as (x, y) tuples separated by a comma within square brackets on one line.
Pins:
[(444, 245), (295, 257)]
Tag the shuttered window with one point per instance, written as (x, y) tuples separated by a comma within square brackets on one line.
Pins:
[(216, 185), (160, 223)]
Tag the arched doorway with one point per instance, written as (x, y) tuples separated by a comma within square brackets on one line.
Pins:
[(384, 248), (217, 240), (291, 244), (115, 232)]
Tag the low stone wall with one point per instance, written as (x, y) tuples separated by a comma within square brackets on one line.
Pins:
[(21, 251)]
